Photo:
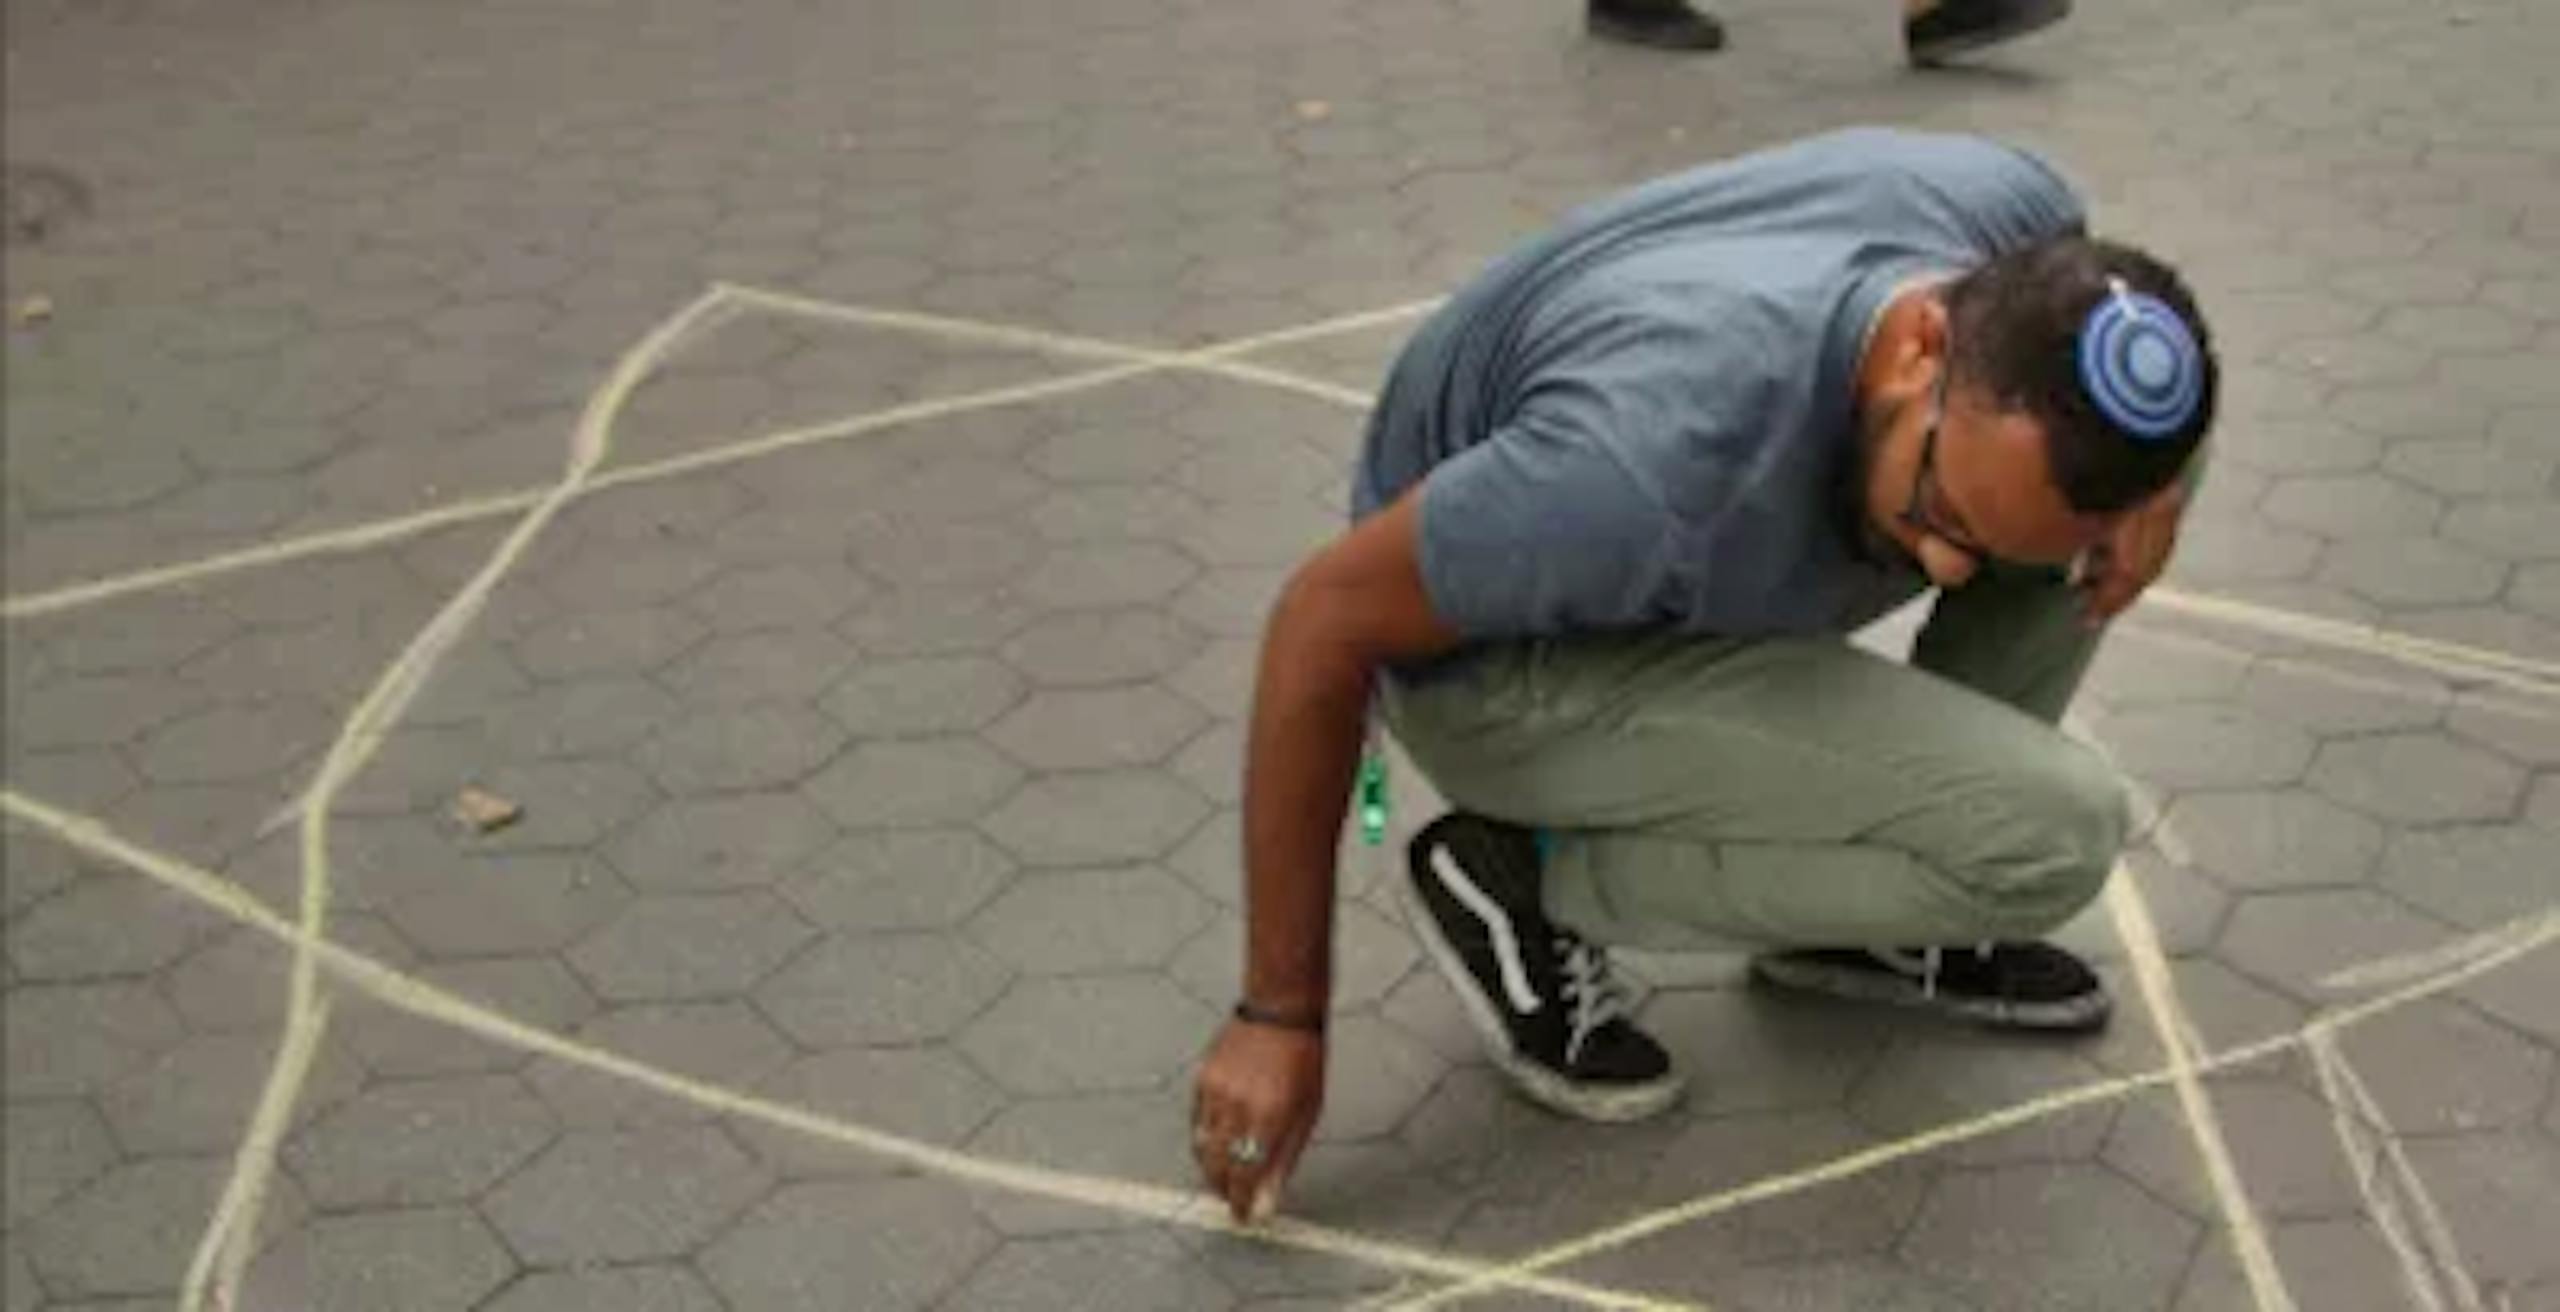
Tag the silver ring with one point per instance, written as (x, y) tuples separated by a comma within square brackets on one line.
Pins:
[(1244, 1149)]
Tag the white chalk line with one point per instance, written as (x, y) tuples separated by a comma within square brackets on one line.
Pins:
[(2437, 1232), (233, 1228), (2526, 674), (1134, 362), (2170, 1021), (2533, 933), (1138, 360), (2451, 691), (1194, 1210)]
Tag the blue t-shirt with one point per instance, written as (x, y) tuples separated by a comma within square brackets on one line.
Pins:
[(1643, 419)]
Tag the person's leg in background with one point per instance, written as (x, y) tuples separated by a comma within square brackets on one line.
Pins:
[(1663, 24)]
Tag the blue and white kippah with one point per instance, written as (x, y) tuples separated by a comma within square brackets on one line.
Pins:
[(2140, 365)]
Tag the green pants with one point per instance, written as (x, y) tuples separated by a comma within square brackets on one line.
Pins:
[(1798, 791)]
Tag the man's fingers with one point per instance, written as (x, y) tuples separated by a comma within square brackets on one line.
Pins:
[(1284, 1164)]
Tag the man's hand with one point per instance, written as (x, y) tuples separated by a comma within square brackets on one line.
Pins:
[(1262, 1087), (2133, 555)]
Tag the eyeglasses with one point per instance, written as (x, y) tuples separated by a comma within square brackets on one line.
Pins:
[(1926, 510)]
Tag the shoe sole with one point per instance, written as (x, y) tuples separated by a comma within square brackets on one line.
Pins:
[(1619, 1105), (2028, 19), (2081, 1015)]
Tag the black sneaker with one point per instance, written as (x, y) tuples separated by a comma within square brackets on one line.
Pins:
[(1662, 24), (2030, 986), (1552, 1016), (1956, 26)]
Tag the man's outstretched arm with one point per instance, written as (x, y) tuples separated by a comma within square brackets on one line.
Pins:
[(1357, 606)]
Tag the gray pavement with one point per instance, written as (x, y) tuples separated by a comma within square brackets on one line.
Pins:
[(894, 777)]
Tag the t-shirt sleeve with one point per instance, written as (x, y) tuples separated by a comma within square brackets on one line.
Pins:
[(1541, 530), (2007, 196), (1572, 515)]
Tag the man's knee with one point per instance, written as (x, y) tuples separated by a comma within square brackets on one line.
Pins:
[(2064, 829)]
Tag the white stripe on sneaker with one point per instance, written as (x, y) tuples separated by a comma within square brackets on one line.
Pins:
[(1497, 924)]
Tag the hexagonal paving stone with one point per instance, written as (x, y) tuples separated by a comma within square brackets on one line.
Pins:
[(536, 902), (899, 879), (443, 1260), (107, 924), (195, 1097), (791, 594), (936, 621), (131, 1230), (588, 716), (2404, 1055), (1137, 1271), (1094, 648), (777, 665), (1860, 1214), (609, 1289), (1213, 764), (68, 1040), (2420, 778), (922, 696), (2206, 746), (1105, 575), (2335, 694), (722, 1042), (2412, 571), (700, 946), (2351, 506), (2502, 1195), (18, 1291), (2476, 876), (1110, 455), (1087, 920), (2524, 993), (536, 990), (2343, 1264), (733, 749), (54, 1148), (2280, 1137), (1922, 1083), (1088, 1033), (699, 844), (1232, 601), (1370, 955), (1096, 728), (925, 1094), (2046, 1238), (1116, 1135), (419, 1142), (1220, 679), (606, 642), (2542, 809), (1096, 818), (235, 741), (902, 1243), (603, 576), (2537, 589), (567, 803), (1376, 1077), (2297, 940), (625, 1196), (906, 553), (882, 988), (927, 781), (2262, 840), (2518, 729)]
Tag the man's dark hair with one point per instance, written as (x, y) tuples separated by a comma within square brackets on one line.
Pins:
[(2015, 334)]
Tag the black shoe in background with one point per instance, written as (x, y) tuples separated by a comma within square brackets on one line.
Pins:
[(1662, 24), (1956, 26), (1552, 1016), (2026, 986)]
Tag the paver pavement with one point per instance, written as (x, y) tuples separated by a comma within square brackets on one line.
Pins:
[(894, 777)]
